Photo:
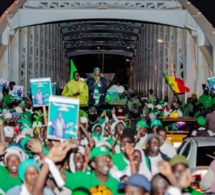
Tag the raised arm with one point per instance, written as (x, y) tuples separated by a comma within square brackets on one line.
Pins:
[(2, 136)]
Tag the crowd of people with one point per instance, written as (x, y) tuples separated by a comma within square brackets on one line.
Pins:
[(121, 147)]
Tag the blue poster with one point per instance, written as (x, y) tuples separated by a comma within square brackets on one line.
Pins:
[(17, 92), (63, 118), (41, 91), (4, 84), (211, 82), (54, 88)]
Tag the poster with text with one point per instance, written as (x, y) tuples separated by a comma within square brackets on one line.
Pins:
[(41, 90), (211, 82), (17, 92), (63, 118), (54, 88)]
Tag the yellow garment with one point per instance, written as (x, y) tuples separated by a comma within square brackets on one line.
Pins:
[(79, 86)]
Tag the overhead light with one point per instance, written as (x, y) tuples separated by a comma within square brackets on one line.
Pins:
[(127, 60), (162, 41), (98, 47)]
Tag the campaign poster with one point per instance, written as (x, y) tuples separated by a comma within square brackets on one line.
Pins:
[(211, 82), (54, 88), (41, 90), (111, 94), (63, 118), (17, 92), (4, 84)]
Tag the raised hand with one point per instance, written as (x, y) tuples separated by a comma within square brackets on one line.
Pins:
[(185, 180), (3, 147), (164, 168), (35, 146), (86, 157), (129, 150), (59, 150)]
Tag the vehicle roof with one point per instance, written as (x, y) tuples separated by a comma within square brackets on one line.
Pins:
[(178, 119), (204, 141)]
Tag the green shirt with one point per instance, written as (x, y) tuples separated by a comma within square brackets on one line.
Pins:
[(111, 140), (6, 181), (82, 179), (27, 114), (206, 100), (119, 161)]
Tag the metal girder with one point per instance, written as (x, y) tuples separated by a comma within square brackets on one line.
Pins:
[(127, 4), (82, 36), (97, 22), (111, 44), (41, 54), (85, 52), (153, 58), (40, 16), (105, 28)]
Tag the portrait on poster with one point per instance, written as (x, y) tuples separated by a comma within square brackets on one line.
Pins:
[(41, 90), (63, 118)]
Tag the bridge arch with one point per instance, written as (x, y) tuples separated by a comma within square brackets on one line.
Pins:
[(39, 36)]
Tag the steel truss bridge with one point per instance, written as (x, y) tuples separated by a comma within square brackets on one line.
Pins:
[(37, 38)]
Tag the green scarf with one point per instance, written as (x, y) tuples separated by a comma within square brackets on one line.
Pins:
[(96, 91)]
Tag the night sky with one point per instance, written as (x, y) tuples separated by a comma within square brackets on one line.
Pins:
[(207, 8)]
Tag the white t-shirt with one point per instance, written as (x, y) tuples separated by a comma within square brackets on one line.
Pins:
[(154, 163), (168, 149)]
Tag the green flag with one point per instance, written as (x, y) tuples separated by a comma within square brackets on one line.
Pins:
[(72, 69)]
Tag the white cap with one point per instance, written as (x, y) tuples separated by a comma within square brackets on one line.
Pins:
[(152, 116), (150, 106), (27, 131), (39, 124), (158, 107), (83, 119), (8, 115), (18, 109), (5, 111), (8, 131), (13, 150)]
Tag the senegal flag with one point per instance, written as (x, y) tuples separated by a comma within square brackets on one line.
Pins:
[(176, 84)]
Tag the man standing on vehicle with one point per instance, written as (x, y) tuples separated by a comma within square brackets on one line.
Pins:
[(97, 87), (77, 88)]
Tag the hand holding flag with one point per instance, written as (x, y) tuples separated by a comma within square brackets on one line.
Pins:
[(176, 84)]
